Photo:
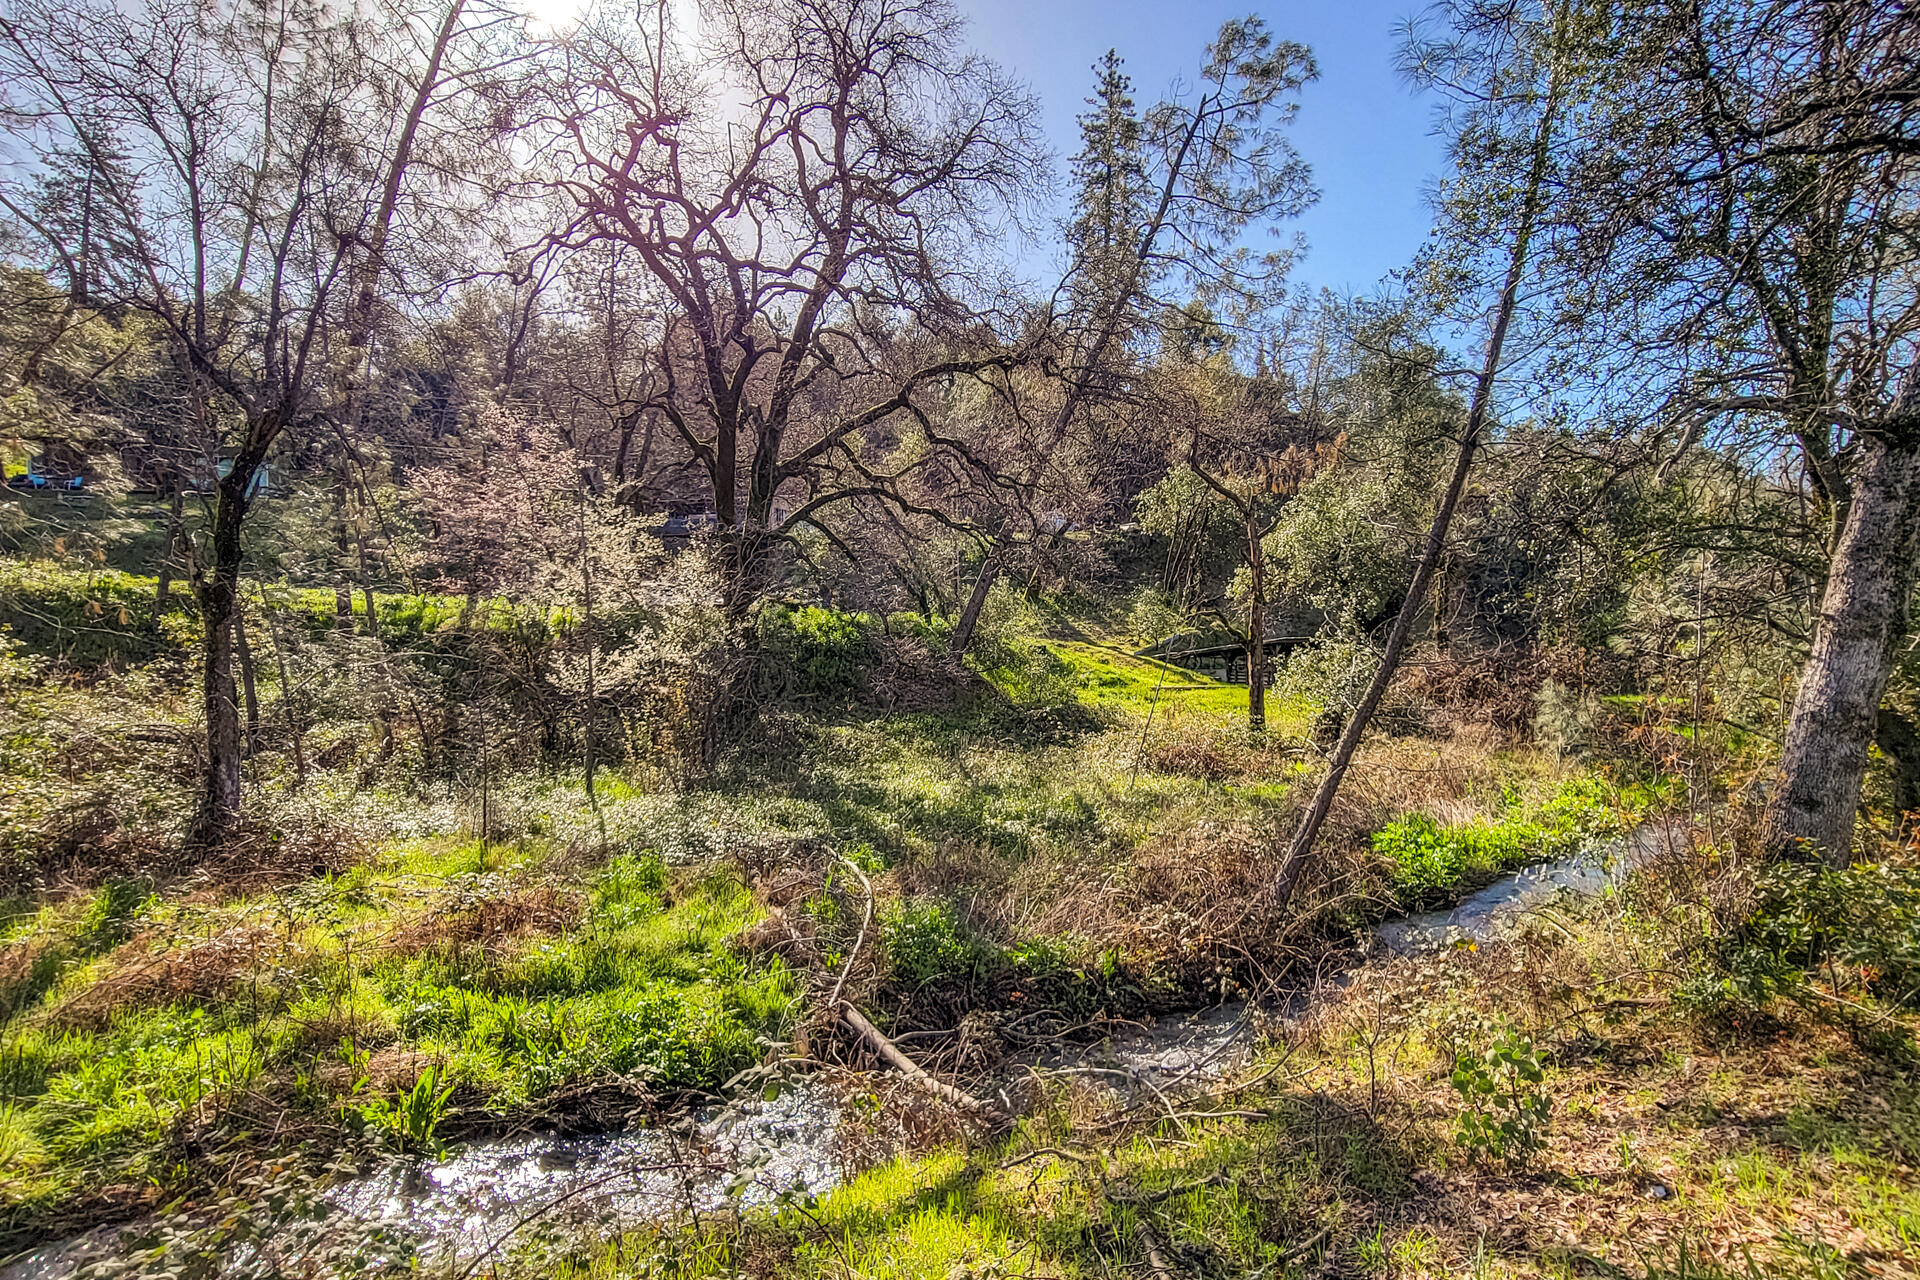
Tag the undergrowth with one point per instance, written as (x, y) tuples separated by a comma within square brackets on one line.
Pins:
[(1432, 861), (446, 980)]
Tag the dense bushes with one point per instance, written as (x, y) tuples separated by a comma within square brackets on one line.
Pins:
[(810, 652), (1857, 927)]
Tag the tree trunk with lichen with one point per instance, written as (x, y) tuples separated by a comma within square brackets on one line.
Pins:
[(1863, 614)]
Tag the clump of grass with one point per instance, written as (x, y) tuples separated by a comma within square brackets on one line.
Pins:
[(328, 1003), (1431, 860)]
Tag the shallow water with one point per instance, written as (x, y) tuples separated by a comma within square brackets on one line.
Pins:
[(1498, 910), (476, 1197), (450, 1212)]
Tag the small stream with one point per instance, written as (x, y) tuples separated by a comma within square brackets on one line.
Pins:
[(747, 1154), (1497, 910), (471, 1203)]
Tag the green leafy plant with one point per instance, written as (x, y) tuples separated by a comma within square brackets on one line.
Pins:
[(924, 942), (1507, 1107), (1431, 860), (814, 652), (1858, 928), (414, 1118)]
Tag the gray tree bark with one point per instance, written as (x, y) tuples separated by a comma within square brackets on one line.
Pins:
[(1863, 614)]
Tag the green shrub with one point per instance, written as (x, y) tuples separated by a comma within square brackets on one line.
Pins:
[(412, 1119), (1507, 1106), (1153, 615), (1328, 675), (1811, 918), (1564, 720), (810, 652), (926, 941)]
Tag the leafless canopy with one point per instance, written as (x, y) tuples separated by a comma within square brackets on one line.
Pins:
[(811, 185)]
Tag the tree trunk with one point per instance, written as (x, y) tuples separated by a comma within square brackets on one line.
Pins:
[(1436, 543), (162, 595), (294, 734), (970, 616), (1899, 740), (360, 327), (218, 591), (590, 708), (1256, 631), (366, 587), (1862, 615)]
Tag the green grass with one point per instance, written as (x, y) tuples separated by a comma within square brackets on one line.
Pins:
[(1109, 678), (1432, 861), (86, 617), (349, 990)]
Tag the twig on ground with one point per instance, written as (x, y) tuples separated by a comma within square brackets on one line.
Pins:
[(1168, 1193), (1151, 1243), (833, 1001), (1039, 1152), (1302, 1249)]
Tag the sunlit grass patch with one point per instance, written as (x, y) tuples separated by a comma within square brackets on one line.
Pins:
[(1114, 679), (350, 989), (1433, 859)]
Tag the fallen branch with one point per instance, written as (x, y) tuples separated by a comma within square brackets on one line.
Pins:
[(1151, 1243), (1168, 1193), (916, 1075), (865, 921), (1302, 1249)]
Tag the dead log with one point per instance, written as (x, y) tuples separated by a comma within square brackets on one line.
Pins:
[(917, 1076)]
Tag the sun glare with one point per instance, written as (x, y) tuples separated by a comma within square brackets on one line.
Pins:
[(552, 17)]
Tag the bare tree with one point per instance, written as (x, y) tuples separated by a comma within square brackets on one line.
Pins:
[(245, 169), (1250, 442), (811, 184), (1163, 205)]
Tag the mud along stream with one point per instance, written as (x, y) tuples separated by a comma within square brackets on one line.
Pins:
[(452, 1214)]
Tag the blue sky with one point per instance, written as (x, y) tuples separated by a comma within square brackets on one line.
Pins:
[(1366, 136)]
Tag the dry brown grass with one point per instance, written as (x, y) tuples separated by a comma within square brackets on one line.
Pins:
[(23, 971), (149, 971), (1667, 1132), (1190, 897), (1499, 690), (1203, 747), (491, 923)]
